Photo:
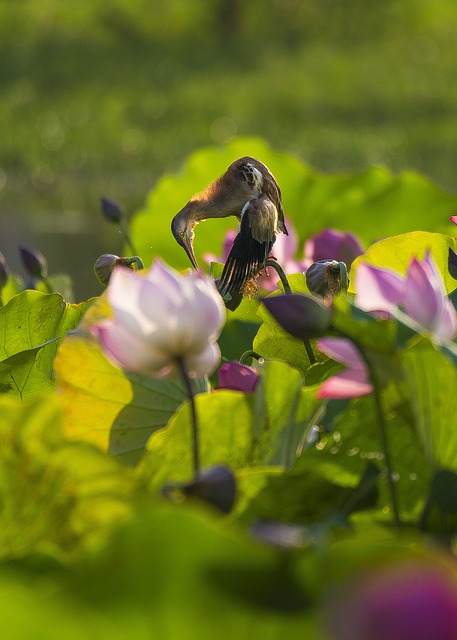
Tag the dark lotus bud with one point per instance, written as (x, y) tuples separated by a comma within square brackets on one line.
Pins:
[(327, 278), (301, 316), (105, 264), (217, 486), (452, 263), (104, 267), (34, 262), (4, 271), (111, 211)]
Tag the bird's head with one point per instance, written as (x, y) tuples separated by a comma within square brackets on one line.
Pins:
[(182, 227)]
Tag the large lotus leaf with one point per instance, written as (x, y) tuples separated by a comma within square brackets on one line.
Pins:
[(372, 204), (235, 429), (396, 253), (112, 409), (28, 611), (355, 440), (171, 567), (57, 497), (304, 496), (29, 325), (433, 381)]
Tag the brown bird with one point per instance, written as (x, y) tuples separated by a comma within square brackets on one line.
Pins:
[(249, 191)]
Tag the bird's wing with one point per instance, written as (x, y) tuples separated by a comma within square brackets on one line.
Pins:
[(246, 256), (273, 192)]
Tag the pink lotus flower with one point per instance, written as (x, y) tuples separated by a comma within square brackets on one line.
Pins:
[(238, 377), (420, 295), (412, 599), (347, 384), (331, 244), (284, 251), (454, 219), (162, 318)]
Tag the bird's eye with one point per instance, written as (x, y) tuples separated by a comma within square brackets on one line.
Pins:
[(183, 234)]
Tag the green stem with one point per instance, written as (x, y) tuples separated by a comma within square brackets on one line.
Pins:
[(133, 260), (309, 351), (285, 283), (381, 424), (190, 392), (124, 229), (249, 354), (281, 273)]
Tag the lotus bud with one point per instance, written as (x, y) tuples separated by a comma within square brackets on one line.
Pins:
[(105, 264), (34, 262), (452, 263), (104, 267), (217, 486), (111, 211), (238, 377), (301, 316), (327, 278)]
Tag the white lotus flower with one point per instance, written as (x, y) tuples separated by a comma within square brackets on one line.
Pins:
[(161, 319)]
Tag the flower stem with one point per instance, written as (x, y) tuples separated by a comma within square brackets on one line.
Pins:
[(381, 425), (285, 283), (281, 273), (190, 392), (124, 229), (249, 354)]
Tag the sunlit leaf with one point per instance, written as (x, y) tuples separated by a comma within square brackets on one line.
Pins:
[(114, 410), (396, 253), (56, 497), (235, 429), (169, 564), (355, 439), (28, 325), (433, 383), (302, 496)]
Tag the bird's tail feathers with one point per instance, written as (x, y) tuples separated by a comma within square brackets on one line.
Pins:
[(244, 261)]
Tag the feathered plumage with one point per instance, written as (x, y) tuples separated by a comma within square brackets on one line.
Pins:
[(249, 191)]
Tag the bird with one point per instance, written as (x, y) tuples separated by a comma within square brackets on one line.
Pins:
[(249, 191)]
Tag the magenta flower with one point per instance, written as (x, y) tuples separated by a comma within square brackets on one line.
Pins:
[(331, 244), (420, 295), (454, 219), (160, 319), (347, 384), (238, 377), (409, 600), (284, 251)]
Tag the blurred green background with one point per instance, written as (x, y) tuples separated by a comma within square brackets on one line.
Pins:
[(104, 97)]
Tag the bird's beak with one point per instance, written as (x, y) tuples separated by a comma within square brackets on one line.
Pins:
[(187, 244)]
